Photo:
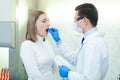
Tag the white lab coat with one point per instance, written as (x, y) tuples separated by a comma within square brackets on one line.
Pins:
[(91, 59), (38, 59)]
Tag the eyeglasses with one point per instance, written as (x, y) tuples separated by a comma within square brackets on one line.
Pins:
[(79, 18)]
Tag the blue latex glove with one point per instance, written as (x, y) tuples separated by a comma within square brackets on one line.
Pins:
[(63, 71), (55, 34)]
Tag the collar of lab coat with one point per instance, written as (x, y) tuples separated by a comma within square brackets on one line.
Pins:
[(91, 31), (92, 36)]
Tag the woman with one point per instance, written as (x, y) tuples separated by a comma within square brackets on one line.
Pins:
[(36, 52)]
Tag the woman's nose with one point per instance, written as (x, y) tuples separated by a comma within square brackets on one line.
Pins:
[(48, 24)]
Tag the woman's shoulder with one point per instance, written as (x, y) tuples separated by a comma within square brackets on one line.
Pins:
[(26, 48), (27, 43)]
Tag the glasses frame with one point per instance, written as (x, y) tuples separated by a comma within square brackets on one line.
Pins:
[(79, 18)]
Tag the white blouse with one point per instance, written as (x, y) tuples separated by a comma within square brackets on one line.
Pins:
[(38, 59)]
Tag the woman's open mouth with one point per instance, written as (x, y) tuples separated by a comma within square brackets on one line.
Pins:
[(47, 30)]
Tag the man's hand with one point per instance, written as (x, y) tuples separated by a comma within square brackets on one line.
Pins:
[(55, 34), (63, 71)]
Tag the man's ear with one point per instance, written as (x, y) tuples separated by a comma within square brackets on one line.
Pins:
[(86, 20)]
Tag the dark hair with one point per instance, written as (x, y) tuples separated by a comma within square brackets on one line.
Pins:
[(31, 32), (89, 11)]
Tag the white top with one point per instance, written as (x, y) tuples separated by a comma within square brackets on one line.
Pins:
[(38, 59), (91, 59)]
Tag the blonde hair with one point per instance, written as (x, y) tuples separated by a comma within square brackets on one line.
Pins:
[(31, 32)]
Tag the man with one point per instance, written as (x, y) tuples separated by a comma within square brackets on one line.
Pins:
[(91, 59)]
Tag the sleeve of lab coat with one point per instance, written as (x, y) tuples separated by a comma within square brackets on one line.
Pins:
[(28, 57), (91, 65), (68, 53)]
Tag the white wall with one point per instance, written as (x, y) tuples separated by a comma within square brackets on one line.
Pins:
[(5, 7), (61, 15)]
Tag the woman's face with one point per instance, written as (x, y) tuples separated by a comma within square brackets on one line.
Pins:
[(42, 24)]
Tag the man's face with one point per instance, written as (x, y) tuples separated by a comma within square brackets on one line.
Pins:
[(79, 22)]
